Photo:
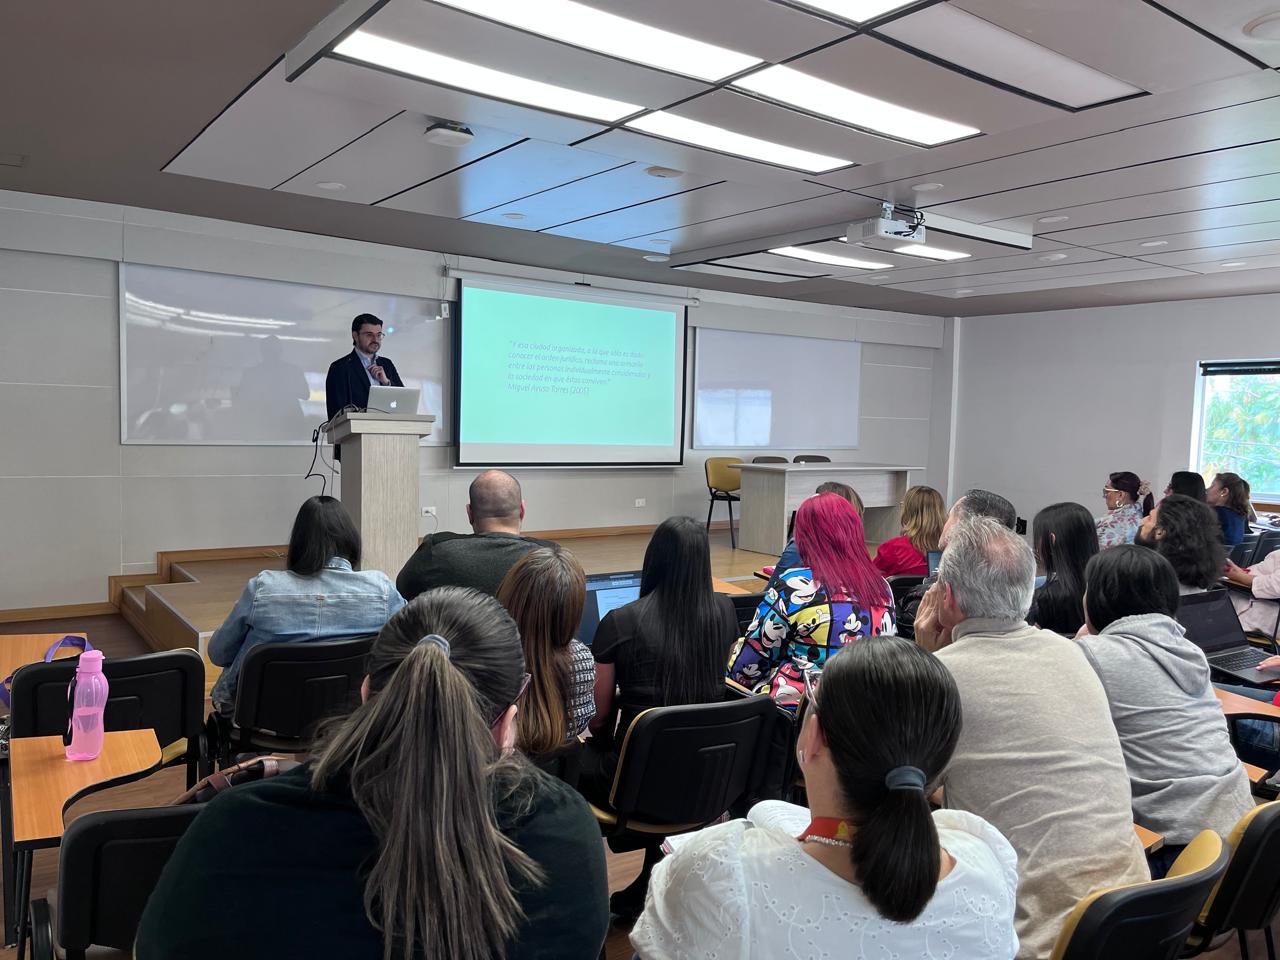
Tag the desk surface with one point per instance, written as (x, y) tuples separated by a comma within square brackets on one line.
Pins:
[(1233, 703), (19, 649), (725, 586), (1151, 841), (44, 782), (818, 467)]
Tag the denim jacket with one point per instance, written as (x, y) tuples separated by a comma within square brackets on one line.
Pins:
[(278, 606)]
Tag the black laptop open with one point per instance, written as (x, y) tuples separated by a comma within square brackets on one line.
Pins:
[(1213, 626), (605, 592)]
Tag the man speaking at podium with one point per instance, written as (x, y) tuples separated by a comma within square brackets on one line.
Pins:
[(351, 376)]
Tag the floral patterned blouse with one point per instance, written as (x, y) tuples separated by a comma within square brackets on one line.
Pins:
[(1119, 525), (797, 627)]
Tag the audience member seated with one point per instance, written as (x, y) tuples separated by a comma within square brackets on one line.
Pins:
[(318, 596), (1183, 770), (544, 593), (479, 559), (1124, 513), (667, 648), (1186, 533), (416, 830), (1038, 756), (867, 870), (923, 514), (790, 554), (1229, 497), (1188, 483), (1064, 540), (837, 597), (1259, 611)]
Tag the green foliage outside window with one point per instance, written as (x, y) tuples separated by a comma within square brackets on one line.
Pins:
[(1240, 430)]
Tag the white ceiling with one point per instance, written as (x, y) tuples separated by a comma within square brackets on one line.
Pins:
[(1189, 166)]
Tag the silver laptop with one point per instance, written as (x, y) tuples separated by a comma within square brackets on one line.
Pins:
[(393, 401)]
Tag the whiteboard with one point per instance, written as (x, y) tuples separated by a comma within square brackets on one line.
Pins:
[(768, 390), (208, 358)]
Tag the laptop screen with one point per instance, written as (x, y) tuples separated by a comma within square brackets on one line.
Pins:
[(935, 557), (605, 592), (1211, 621)]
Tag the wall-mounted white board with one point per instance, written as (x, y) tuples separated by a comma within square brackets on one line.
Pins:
[(208, 358), (767, 390)]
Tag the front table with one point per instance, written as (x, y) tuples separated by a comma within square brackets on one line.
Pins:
[(43, 783)]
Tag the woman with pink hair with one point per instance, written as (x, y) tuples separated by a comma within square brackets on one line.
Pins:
[(835, 598)]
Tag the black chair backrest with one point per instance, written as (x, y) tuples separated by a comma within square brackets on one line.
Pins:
[(768, 459), (163, 691), (903, 584), (810, 458), (286, 689), (1268, 543), (563, 764), (690, 764), (1245, 553), (745, 606), (110, 862), (1249, 897)]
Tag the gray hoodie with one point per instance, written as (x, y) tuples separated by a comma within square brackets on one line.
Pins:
[(1183, 771)]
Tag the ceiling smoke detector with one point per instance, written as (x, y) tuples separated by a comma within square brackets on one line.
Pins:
[(448, 133), (331, 185), (656, 257), (1051, 257), (664, 173), (1265, 27)]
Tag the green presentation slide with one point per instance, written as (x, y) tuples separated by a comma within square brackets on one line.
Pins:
[(546, 370)]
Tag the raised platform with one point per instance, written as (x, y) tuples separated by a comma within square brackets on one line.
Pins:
[(190, 595)]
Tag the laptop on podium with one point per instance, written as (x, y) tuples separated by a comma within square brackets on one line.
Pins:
[(393, 401), (1212, 625)]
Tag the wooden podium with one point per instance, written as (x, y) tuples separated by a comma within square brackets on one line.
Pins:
[(380, 483)]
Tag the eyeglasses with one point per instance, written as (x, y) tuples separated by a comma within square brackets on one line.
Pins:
[(524, 685), (1106, 490), (811, 688)]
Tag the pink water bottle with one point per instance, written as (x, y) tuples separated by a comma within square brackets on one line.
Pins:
[(88, 696)]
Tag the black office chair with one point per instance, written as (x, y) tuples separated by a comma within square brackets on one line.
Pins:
[(781, 770), (108, 866), (563, 764), (163, 691), (286, 690), (745, 606), (810, 458), (903, 584), (1268, 543), (1245, 553), (680, 769), (768, 459)]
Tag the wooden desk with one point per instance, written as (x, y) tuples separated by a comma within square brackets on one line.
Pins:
[(724, 586), (770, 491), (43, 783), (19, 649), (1235, 705), (1151, 841)]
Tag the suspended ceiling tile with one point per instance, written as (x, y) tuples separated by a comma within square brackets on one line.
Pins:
[(1227, 20), (708, 203), (1240, 264), (1194, 221), (971, 268), (462, 36), (1064, 282), (1128, 39), (875, 68), (524, 169), (599, 193), (1196, 240), (1223, 254), (775, 264), (1044, 272), (336, 77), (273, 131), (391, 158), (631, 145), (1203, 168), (724, 271), (757, 118), (771, 31)]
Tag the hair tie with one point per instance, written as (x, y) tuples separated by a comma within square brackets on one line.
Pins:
[(905, 778), (437, 641), (1144, 487)]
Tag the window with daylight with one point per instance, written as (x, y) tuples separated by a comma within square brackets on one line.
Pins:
[(1240, 423)]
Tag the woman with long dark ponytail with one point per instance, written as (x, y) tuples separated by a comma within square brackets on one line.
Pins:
[(867, 869), (415, 831)]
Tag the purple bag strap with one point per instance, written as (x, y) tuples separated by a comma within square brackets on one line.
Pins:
[(67, 641)]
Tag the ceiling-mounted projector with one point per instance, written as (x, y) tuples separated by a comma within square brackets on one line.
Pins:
[(449, 133), (905, 226)]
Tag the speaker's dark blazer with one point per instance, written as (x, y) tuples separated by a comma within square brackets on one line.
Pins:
[(348, 382)]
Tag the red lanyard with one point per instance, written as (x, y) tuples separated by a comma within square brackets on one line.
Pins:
[(828, 828)]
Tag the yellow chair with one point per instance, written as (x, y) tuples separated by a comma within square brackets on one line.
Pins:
[(1149, 920), (1248, 895), (723, 484)]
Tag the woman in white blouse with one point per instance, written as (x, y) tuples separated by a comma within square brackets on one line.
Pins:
[(867, 870)]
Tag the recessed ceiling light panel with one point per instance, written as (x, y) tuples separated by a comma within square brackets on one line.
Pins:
[(1234, 263), (930, 252), (437, 68), (592, 29), (817, 256), (855, 11), (827, 99), (673, 127)]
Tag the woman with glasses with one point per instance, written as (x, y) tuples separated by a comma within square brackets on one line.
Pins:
[(415, 830), (867, 870), (1122, 493)]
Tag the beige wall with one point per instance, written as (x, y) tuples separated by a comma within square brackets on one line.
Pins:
[(77, 506)]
